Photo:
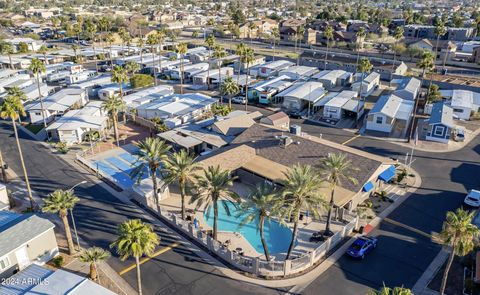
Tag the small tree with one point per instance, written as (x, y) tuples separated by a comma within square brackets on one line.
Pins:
[(229, 88), (92, 256)]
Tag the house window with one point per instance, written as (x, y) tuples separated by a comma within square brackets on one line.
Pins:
[(458, 111), (38, 114), (4, 263), (439, 130), (379, 120)]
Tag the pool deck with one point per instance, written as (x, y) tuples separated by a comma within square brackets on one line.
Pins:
[(305, 229)]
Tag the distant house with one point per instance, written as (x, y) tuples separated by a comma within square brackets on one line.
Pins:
[(212, 77), (147, 95), (298, 72), (301, 95), (344, 104), (56, 105), (33, 45), (408, 88), (176, 109), (72, 126), (463, 102), (24, 239), (188, 71), (271, 69), (445, 47), (92, 86), (242, 67), (333, 78), (390, 113), (264, 91), (40, 280), (113, 89), (370, 84), (278, 120), (440, 123)]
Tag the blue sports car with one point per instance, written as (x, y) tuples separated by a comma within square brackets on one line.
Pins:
[(362, 246)]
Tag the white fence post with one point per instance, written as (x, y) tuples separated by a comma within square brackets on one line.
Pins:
[(312, 257), (288, 267)]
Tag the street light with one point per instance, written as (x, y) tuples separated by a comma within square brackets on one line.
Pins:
[(71, 213)]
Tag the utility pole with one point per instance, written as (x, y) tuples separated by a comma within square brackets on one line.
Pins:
[(4, 172)]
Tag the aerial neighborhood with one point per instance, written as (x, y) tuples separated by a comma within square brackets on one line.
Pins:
[(240, 147)]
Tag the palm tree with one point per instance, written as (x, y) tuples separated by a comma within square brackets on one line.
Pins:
[(219, 53), (113, 105), (397, 35), (365, 67), (440, 30), (12, 107), (92, 136), (181, 50), (426, 64), (120, 76), (136, 239), (389, 291), (179, 168), (152, 40), (92, 33), (457, 234), (92, 256), (160, 38), (124, 36), (275, 37), (7, 48), (360, 35), (301, 191), (251, 27), (75, 49), (110, 39), (262, 204), (43, 50), (247, 58), (328, 34), (141, 44), (132, 67), (60, 202), (210, 188), (229, 88), (335, 168), (210, 42), (152, 153), (299, 36), (37, 67)]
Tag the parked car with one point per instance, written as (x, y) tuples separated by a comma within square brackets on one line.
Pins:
[(472, 198), (295, 114), (362, 246), (459, 134), (238, 99)]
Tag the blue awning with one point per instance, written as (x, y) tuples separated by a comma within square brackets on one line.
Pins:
[(368, 187), (388, 174)]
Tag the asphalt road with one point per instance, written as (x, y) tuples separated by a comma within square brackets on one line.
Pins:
[(178, 271)]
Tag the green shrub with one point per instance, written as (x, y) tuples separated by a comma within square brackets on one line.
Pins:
[(141, 80), (62, 147), (58, 261)]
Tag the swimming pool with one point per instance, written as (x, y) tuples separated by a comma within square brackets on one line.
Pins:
[(277, 236)]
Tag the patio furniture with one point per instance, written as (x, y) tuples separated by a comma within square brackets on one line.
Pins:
[(316, 237)]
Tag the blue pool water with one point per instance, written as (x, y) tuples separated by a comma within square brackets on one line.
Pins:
[(277, 236)]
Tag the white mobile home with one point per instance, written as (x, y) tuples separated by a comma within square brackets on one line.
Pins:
[(212, 76), (370, 83), (408, 88), (463, 102), (188, 71), (299, 72), (301, 95), (93, 85), (273, 68), (389, 113), (333, 78), (344, 104)]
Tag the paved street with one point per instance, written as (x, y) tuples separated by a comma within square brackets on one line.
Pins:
[(178, 271)]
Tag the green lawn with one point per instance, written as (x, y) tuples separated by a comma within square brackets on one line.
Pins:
[(34, 128)]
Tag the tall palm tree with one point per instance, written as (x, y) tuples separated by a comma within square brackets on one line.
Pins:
[(335, 168), (229, 88), (141, 44), (261, 205), (132, 67), (92, 29), (60, 202), (298, 38), (110, 39), (210, 42), (179, 168), (219, 53), (92, 256), (43, 50), (240, 51), (124, 36), (160, 38), (120, 76), (251, 27), (458, 234), (152, 41), (328, 34), (152, 153), (360, 35), (397, 35), (181, 50), (426, 64), (210, 188), (37, 67), (275, 37), (247, 58), (114, 105), (75, 49), (12, 108), (136, 239), (365, 67), (440, 30), (301, 191), (7, 49)]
